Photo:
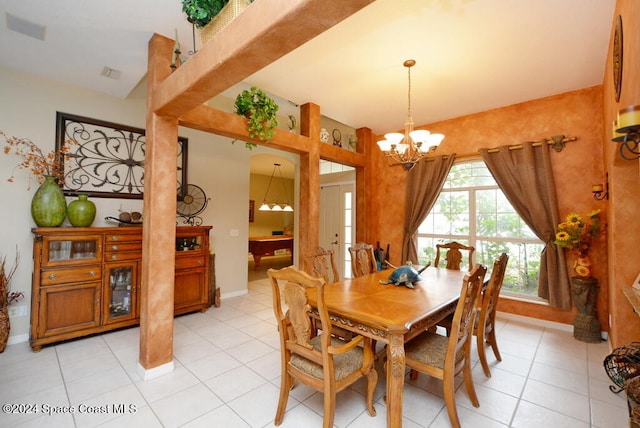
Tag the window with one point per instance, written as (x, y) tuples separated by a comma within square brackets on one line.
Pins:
[(472, 210)]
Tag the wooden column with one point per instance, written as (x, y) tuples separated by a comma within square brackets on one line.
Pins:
[(158, 239), (309, 205)]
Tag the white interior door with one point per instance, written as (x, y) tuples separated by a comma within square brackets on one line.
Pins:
[(337, 214)]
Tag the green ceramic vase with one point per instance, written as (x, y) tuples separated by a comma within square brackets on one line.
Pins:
[(81, 212), (48, 206)]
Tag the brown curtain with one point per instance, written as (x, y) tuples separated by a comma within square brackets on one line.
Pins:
[(525, 177), (424, 183)]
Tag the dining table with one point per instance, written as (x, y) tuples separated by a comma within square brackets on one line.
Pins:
[(392, 314)]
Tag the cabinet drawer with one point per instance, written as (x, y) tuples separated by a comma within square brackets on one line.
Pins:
[(125, 237), (111, 247), (190, 262), (122, 256), (63, 276)]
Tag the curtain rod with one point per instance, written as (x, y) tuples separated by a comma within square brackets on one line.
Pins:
[(557, 141)]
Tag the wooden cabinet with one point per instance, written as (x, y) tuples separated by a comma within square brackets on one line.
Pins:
[(87, 280)]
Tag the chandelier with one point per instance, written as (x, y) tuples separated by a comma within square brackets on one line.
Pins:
[(276, 205), (409, 148)]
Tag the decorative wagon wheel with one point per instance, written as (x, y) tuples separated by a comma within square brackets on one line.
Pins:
[(191, 203)]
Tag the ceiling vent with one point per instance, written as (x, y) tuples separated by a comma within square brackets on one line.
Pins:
[(111, 73), (25, 27)]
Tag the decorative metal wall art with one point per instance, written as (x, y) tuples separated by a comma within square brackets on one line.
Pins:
[(107, 159)]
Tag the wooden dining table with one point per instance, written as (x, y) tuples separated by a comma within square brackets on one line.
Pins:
[(392, 315)]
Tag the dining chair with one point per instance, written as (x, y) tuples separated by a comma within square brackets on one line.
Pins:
[(485, 326), (453, 256), (363, 261), (485, 329), (320, 262), (316, 359), (444, 357)]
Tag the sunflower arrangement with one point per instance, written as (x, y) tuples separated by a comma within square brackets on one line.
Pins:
[(577, 233)]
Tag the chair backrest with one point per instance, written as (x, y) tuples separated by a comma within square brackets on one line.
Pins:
[(293, 316), (453, 255), (321, 263), (363, 261), (492, 292), (464, 317)]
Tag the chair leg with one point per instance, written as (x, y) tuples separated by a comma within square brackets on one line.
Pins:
[(481, 352), (286, 385), (372, 380), (468, 383), (449, 400), (329, 408), (494, 343)]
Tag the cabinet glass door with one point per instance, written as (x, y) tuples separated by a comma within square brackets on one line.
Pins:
[(72, 250), (121, 292)]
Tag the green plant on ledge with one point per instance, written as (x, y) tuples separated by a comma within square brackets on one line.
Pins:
[(260, 111), (200, 12)]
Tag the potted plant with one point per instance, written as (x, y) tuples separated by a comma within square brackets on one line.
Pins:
[(260, 111), (201, 13), (6, 298)]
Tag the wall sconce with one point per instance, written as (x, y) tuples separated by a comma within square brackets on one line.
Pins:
[(628, 132), (599, 191)]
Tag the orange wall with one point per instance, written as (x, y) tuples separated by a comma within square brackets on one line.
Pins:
[(624, 205), (576, 168), (588, 115)]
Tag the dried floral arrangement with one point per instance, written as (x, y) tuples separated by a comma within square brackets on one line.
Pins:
[(34, 159), (7, 296)]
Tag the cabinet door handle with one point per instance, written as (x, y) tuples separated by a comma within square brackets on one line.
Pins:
[(113, 257), (52, 276), (92, 273), (199, 262), (114, 247), (115, 238)]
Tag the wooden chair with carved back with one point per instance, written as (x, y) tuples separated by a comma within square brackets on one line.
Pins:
[(485, 329), (453, 256), (322, 361), (444, 357), (363, 261), (321, 263)]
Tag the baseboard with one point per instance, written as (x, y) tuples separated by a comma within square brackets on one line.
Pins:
[(234, 294), (148, 374), (18, 338)]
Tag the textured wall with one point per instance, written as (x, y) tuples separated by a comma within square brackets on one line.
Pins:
[(576, 168)]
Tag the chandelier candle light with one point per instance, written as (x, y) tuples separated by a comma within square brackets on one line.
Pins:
[(409, 148), (275, 206)]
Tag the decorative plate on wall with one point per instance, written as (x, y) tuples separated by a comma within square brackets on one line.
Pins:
[(617, 58)]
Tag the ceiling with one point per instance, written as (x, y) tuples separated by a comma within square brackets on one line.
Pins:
[(472, 55)]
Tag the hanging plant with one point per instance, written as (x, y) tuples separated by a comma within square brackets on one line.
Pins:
[(260, 111)]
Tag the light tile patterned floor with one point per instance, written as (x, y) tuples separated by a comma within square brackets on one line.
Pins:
[(227, 375)]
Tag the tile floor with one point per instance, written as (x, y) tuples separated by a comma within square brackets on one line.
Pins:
[(227, 375)]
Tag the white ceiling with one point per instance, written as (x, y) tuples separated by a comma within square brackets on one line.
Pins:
[(472, 55)]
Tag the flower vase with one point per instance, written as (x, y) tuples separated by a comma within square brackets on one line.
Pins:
[(48, 206), (582, 267), (81, 212), (5, 327), (586, 326)]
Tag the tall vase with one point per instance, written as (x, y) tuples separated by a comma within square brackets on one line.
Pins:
[(81, 212), (4, 328), (586, 326), (48, 206)]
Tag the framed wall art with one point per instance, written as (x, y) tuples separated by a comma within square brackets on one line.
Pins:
[(106, 159)]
